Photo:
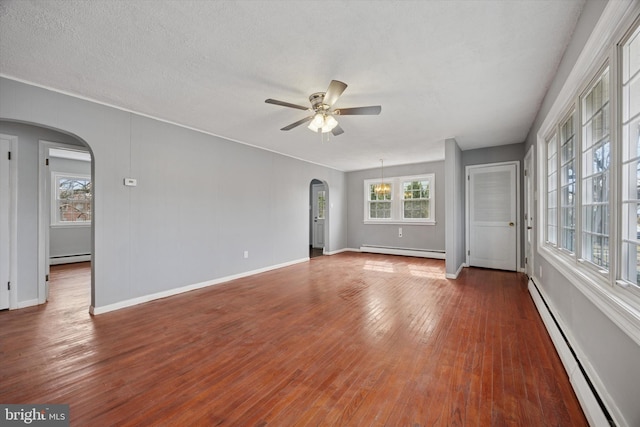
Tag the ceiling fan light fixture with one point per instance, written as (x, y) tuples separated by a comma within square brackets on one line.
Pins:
[(323, 123), (329, 123)]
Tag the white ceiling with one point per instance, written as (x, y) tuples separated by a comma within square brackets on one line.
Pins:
[(473, 70)]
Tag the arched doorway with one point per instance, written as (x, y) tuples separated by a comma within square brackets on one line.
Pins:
[(36, 205), (318, 217)]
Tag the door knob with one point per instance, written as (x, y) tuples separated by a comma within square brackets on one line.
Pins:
[(529, 227), (511, 224)]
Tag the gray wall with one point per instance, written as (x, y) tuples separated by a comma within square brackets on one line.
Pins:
[(607, 352), (73, 239), (428, 237), (27, 219), (200, 202)]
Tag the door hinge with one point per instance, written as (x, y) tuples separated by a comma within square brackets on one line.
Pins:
[(468, 177), (9, 155), (46, 278), (46, 162), (468, 252), (9, 286), (525, 172), (525, 260)]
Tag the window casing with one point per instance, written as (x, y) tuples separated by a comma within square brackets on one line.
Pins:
[(404, 199), (72, 197)]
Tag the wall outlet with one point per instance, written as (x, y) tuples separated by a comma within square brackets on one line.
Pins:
[(130, 182), (246, 254), (399, 231)]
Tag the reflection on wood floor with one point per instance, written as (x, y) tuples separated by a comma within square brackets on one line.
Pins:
[(349, 339)]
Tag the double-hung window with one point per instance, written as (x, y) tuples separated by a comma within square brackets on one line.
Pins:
[(72, 198), (404, 199)]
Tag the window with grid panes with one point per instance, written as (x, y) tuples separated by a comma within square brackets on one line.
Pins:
[(416, 199), (630, 238), (380, 197), (552, 190), (400, 199), (596, 160), (567, 186)]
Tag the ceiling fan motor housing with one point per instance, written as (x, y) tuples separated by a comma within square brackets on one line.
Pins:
[(317, 102)]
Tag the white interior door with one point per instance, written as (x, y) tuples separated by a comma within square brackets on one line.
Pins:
[(528, 213), (5, 222), (319, 196), (493, 217)]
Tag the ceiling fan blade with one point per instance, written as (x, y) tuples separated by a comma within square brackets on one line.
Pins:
[(333, 92), (285, 104), (298, 123), (337, 130), (359, 111)]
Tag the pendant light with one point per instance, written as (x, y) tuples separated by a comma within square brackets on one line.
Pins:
[(382, 189)]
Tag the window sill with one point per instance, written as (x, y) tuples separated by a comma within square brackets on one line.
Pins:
[(369, 222), (616, 302), (77, 225)]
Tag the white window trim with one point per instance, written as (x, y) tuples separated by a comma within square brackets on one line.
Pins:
[(620, 304), (54, 202), (397, 201)]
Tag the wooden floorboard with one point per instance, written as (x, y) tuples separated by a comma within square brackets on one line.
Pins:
[(348, 339)]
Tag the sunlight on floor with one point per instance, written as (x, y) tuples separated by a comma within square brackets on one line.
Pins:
[(384, 267)]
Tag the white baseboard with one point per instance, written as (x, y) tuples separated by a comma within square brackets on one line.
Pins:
[(402, 251), (456, 274), (28, 303), (579, 381), (171, 292), (69, 259), (340, 251)]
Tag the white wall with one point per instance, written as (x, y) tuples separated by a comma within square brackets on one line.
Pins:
[(200, 202)]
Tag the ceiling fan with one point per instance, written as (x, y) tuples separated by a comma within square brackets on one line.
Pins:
[(323, 117)]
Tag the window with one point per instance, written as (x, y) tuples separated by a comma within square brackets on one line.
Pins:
[(630, 239), (72, 196), (596, 160), (321, 203), (416, 199), (379, 203), (589, 162), (400, 200), (567, 186), (552, 190)]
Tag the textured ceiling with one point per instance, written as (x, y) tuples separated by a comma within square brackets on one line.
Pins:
[(473, 70)]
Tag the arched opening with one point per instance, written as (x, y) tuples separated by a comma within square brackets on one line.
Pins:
[(318, 217), (47, 232)]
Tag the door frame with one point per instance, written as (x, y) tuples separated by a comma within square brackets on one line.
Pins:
[(44, 213), (529, 201), (467, 172), (327, 213), (13, 220)]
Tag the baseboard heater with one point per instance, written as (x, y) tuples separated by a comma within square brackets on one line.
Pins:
[(391, 250), (69, 259), (592, 405)]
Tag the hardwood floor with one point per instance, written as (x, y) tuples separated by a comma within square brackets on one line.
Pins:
[(349, 339)]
